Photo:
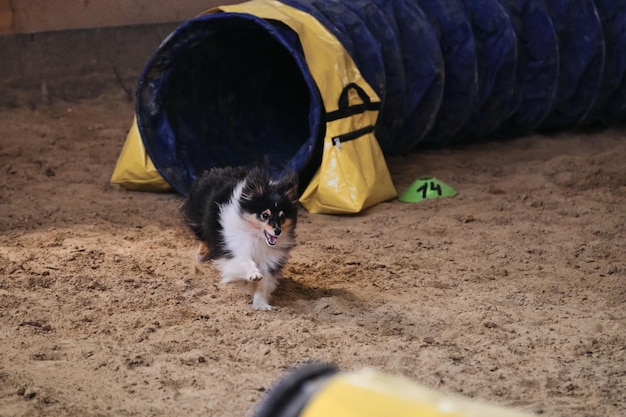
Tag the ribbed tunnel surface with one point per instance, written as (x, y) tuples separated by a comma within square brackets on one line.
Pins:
[(234, 89)]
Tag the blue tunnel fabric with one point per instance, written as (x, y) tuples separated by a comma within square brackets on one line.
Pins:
[(581, 53), (610, 106), (459, 50), (227, 90), (537, 67), (497, 63), (235, 89), (410, 83)]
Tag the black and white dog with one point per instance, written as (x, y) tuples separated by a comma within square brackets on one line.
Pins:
[(245, 221)]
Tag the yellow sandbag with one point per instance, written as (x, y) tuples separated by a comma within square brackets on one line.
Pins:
[(134, 169), (353, 174)]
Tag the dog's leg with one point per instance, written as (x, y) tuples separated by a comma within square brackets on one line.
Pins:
[(263, 292), (237, 269), (203, 252), (252, 271), (259, 302)]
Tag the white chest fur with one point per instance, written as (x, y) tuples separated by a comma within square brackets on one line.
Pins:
[(245, 241)]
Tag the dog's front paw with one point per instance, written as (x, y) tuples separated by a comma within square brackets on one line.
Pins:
[(254, 276), (252, 272), (259, 303), (203, 254)]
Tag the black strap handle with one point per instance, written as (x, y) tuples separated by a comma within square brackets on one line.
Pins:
[(346, 137), (346, 110), (344, 97)]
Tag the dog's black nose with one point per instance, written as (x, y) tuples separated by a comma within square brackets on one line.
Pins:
[(277, 231)]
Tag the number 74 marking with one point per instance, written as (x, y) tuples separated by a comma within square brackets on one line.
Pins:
[(432, 185)]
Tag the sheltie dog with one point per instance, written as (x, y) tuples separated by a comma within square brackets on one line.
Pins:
[(245, 221)]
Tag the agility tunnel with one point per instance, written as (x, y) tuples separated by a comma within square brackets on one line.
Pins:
[(275, 82)]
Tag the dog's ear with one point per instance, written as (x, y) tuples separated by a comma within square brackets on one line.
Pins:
[(256, 181), (288, 186)]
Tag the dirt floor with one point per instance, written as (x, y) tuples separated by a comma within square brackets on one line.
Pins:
[(513, 292)]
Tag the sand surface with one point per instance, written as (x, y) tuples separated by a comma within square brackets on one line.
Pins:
[(512, 292)]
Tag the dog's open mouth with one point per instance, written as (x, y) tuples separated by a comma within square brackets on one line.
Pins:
[(270, 238)]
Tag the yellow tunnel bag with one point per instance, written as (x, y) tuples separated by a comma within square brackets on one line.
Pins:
[(353, 174), (134, 169)]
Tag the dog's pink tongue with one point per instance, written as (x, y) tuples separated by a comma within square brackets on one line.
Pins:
[(271, 239)]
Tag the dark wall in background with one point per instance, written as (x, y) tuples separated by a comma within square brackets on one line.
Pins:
[(82, 49), (75, 64)]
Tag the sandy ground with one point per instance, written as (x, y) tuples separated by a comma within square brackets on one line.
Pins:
[(513, 292)]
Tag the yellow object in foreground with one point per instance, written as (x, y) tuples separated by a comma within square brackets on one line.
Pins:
[(368, 393)]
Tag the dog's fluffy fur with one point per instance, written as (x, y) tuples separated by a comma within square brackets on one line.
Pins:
[(245, 222)]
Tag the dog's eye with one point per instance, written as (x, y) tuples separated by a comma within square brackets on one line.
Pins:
[(281, 217), (264, 216)]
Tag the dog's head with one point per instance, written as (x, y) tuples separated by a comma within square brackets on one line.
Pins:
[(270, 205)]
